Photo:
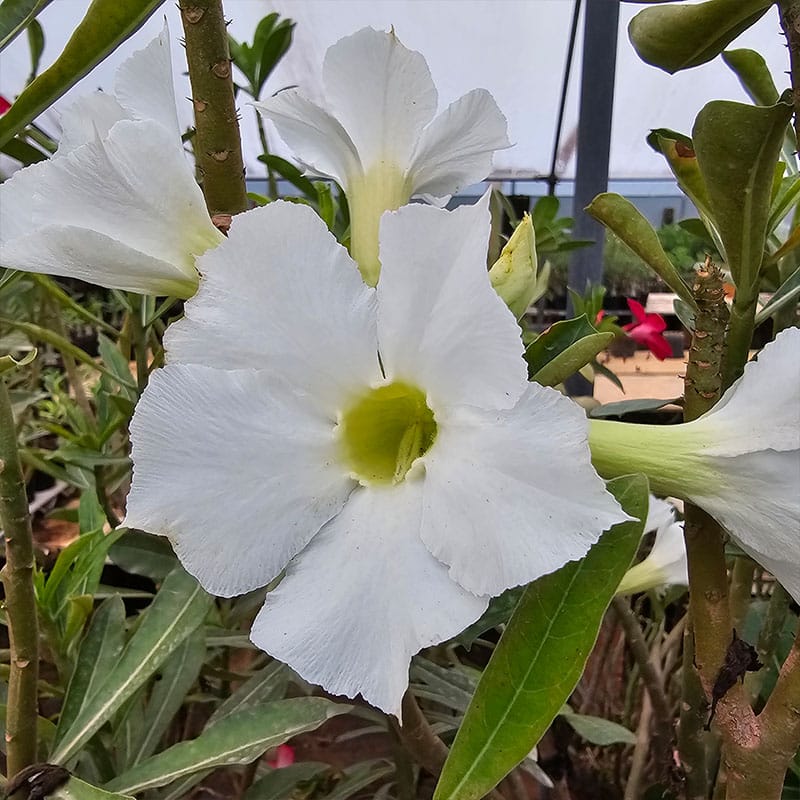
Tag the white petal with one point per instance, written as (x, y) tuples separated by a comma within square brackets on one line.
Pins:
[(317, 139), (281, 294), (364, 597), (456, 149), (134, 187), (756, 499), (659, 514), (73, 252), (441, 325), (235, 468), (761, 409), (669, 554), (381, 92), (88, 118), (512, 495), (144, 87)]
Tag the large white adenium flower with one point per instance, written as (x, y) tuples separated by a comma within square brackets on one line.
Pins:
[(384, 443), (118, 204), (740, 461), (382, 159), (665, 564)]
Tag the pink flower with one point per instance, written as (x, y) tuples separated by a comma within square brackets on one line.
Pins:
[(4, 105), (647, 330), (283, 756)]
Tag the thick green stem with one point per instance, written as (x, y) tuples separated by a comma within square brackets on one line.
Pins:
[(740, 336), (20, 601), (217, 145), (790, 19)]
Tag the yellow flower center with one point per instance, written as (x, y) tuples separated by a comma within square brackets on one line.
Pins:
[(385, 431)]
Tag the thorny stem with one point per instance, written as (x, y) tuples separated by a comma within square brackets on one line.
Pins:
[(20, 601), (790, 20), (662, 729), (218, 147)]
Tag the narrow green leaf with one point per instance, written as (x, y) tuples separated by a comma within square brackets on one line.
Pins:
[(98, 653), (267, 684), (563, 349), (15, 15), (279, 783), (597, 730), (76, 789), (679, 36), (737, 147), (105, 26), (8, 363), (784, 201), (291, 173), (787, 293), (238, 739), (626, 221), (622, 407), (178, 675), (36, 46), (144, 554), (178, 609), (540, 657), (23, 151)]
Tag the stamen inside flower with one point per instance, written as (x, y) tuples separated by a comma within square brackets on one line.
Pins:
[(385, 431)]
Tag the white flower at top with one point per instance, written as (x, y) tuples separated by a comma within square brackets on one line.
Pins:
[(383, 443), (665, 564), (118, 204), (740, 462), (377, 136)]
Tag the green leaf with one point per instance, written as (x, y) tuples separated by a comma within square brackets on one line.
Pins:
[(278, 784), (563, 349), (291, 173), (16, 15), (98, 654), (680, 36), (144, 554), (237, 739), (8, 363), (626, 221), (24, 152), (787, 293), (267, 684), (105, 26), (177, 610), (597, 730), (784, 201), (737, 146), (76, 789), (623, 407), (540, 657), (36, 46), (178, 675)]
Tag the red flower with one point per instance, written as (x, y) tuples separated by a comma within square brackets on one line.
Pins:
[(648, 330), (283, 756), (4, 105)]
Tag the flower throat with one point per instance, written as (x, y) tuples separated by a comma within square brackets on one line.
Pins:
[(385, 431)]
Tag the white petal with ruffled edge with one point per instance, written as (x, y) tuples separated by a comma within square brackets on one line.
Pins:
[(659, 514), (144, 88), (761, 409), (236, 468), (87, 119), (381, 92), (768, 528), (318, 140), (512, 495), (72, 252), (456, 149), (441, 326), (280, 293), (363, 598)]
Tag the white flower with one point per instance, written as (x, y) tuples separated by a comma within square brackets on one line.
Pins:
[(740, 461), (384, 443), (377, 137), (665, 564), (118, 204)]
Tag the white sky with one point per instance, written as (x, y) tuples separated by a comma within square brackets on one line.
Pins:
[(514, 48)]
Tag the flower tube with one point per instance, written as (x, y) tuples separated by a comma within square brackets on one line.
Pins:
[(383, 446), (118, 204), (740, 462), (377, 136)]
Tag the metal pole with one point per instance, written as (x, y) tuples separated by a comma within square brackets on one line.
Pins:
[(600, 25)]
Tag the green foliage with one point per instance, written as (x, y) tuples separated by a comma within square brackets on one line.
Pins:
[(272, 38), (540, 658)]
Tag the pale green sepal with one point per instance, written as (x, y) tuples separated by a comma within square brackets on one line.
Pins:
[(515, 274), (737, 147), (7, 363), (679, 35)]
